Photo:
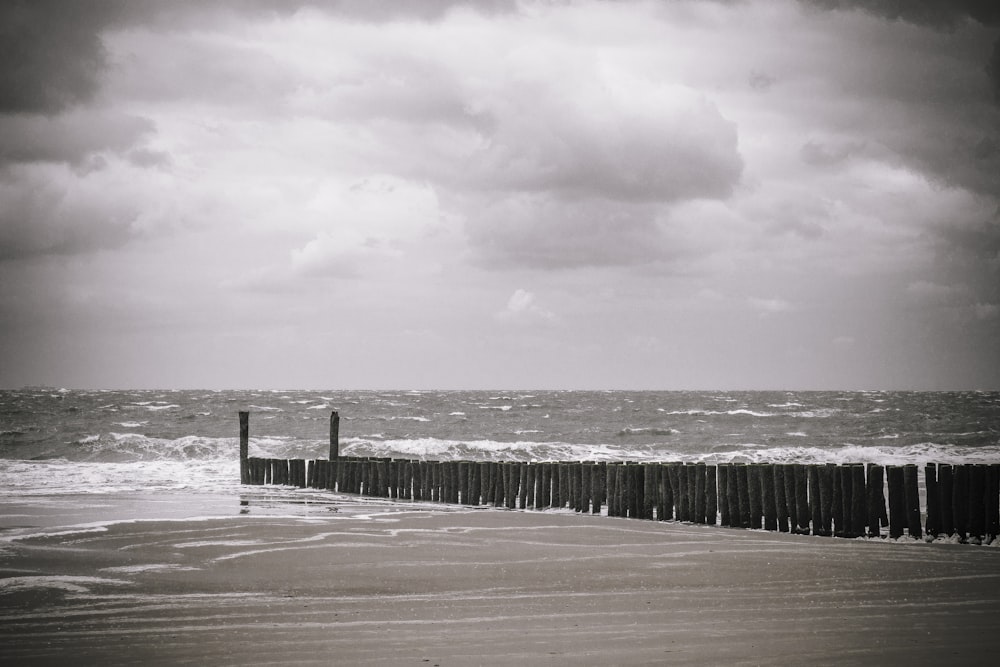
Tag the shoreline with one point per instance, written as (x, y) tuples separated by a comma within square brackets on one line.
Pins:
[(367, 582)]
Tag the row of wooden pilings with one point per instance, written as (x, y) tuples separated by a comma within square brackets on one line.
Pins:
[(838, 500), (820, 499)]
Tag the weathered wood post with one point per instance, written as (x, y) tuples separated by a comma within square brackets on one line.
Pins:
[(334, 435), (724, 511), (791, 507), (711, 496), (977, 502), (992, 502), (732, 496), (826, 497), (754, 473), (945, 484), (244, 447), (815, 500), (960, 500), (768, 506), (803, 513), (859, 498), (876, 499), (912, 497), (897, 510), (780, 502), (700, 502), (933, 525)]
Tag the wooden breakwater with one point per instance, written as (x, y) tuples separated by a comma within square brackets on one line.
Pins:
[(842, 500)]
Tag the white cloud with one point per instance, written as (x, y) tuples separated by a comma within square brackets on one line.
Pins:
[(769, 306), (521, 307)]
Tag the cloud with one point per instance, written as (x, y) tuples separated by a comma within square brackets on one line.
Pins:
[(935, 13), (44, 213), (993, 70), (544, 232), (521, 307), (927, 292), (821, 154), (51, 52), (366, 224), (605, 134), (767, 307), (69, 137), (987, 311)]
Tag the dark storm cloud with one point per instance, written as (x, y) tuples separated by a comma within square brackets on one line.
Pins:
[(51, 53), (539, 232), (70, 137), (939, 14), (935, 13), (40, 217), (819, 154), (993, 70)]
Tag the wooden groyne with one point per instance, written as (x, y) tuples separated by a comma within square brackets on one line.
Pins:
[(848, 500)]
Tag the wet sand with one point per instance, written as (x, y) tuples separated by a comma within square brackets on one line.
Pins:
[(382, 584)]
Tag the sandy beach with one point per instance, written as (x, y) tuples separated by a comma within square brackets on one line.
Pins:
[(389, 584)]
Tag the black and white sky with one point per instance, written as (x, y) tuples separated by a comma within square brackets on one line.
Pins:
[(785, 194)]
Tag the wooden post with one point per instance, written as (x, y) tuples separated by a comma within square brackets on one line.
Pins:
[(876, 499), (960, 500), (733, 495), (826, 497), (912, 498), (993, 502), (513, 487), (844, 528), (768, 506), (897, 501), (612, 481), (334, 435), (946, 484), (815, 500), (633, 489), (244, 447), (780, 504), (599, 483), (977, 503), (754, 472), (788, 473), (724, 511), (649, 490), (859, 497), (742, 489), (803, 515), (711, 496), (700, 473), (933, 525)]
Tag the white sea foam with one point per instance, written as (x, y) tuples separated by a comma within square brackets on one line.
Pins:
[(646, 430)]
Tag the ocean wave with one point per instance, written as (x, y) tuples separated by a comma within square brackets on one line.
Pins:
[(61, 477), (649, 430), (125, 447)]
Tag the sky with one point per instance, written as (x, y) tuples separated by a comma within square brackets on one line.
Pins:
[(700, 194)]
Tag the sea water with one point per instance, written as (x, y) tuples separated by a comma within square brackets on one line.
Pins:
[(58, 447)]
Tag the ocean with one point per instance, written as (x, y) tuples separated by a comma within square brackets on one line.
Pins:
[(141, 454)]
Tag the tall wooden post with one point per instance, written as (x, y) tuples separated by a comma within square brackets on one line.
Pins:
[(244, 447), (334, 435)]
